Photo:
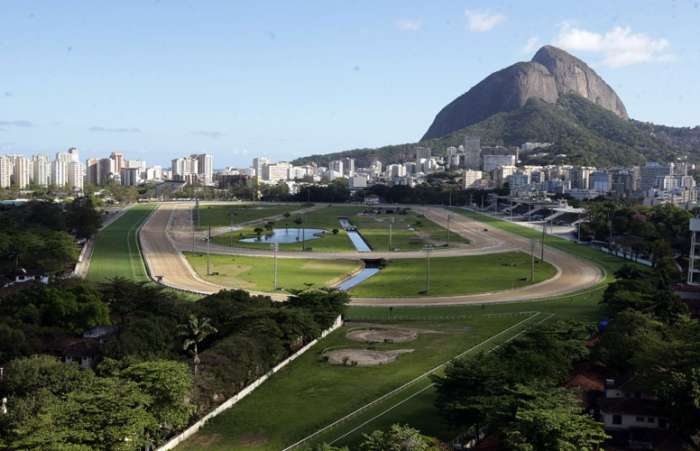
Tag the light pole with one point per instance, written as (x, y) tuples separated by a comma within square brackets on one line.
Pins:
[(390, 225), (275, 248), (208, 249), (448, 230), (427, 250), (544, 231), (231, 231), (194, 239), (532, 260)]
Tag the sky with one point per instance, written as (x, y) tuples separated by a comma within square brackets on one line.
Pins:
[(284, 79)]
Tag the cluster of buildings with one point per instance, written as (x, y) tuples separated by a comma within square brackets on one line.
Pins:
[(66, 171), (490, 167)]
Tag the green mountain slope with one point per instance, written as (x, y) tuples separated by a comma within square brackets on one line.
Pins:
[(581, 130)]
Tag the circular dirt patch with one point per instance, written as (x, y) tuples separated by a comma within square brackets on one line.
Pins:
[(362, 357), (383, 335)]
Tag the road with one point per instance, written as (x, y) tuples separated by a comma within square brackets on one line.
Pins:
[(168, 232)]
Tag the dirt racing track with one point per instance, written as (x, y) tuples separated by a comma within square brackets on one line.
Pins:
[(168, 232)]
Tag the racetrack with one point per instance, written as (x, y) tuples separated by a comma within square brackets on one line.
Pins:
[(169, 232)]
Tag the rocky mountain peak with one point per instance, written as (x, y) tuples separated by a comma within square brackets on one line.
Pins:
[(551, 73)]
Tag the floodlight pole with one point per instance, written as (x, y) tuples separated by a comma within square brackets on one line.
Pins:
[(275, 248), (208, 251), (532, 260), (544, 232), (390, 225), (448, 230), (427, 250)]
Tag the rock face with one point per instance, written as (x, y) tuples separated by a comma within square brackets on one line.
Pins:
[(551, 73)]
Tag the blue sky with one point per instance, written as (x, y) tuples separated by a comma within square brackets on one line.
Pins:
[(290, 78)]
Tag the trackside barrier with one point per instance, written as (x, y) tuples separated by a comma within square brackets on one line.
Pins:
[(187, 433)]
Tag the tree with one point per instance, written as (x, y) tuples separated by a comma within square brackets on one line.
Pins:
[(194, 332), (168, 385), (397, 438), (258, 232), (83, 218), (551, 420)]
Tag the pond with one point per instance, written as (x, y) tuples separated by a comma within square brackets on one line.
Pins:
[(284, 236)]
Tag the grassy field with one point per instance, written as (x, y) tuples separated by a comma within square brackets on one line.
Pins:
[(608, 262), (116, 252), (309, 394), (256, 273), (325, 393), (453, 275), (409, 231), (220, 215)]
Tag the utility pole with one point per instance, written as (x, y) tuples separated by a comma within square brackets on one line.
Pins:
[(275, 248), (544, 232), (448, 230), (427, 250), (390, 243), (208, 249), (231, 232), (532, 260), (194, 239)]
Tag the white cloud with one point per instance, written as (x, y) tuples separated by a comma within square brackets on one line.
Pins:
[(482, 20), (408, 24), (617, 47), (531, 45)]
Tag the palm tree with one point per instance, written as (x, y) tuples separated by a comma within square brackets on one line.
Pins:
[(299, 221), (286, 221), (195, 331)]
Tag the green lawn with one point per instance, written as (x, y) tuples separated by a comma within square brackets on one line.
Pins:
[(256, 273), (608, 262), (116, 252), (219, 215), (310, 393), (453, 275), (374, 228)]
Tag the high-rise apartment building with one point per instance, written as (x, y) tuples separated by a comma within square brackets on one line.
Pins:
[(92, 171), (349, 166), (119, 161), (41, 170), (472, 152), (21, 170), (105, 171), (258, 164), (5, 171), (205, 168), (59, 172)]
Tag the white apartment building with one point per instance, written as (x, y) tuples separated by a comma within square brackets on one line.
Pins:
[(258, 164), (59, 172), (491, 162), (21, 172), (5, 171), (205, 168), (41, 170), (471, 177), (275, 172)]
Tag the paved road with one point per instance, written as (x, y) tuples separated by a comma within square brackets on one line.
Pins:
[(169, 231)]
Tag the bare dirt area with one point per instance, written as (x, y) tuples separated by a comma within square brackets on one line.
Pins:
[(378, 335), (363, 357)]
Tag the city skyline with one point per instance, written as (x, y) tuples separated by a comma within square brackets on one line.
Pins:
[(281, 82)]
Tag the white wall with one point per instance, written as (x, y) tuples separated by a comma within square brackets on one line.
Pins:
[(245, 392)]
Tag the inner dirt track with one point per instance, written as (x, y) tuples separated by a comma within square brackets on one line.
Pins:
[(168, 232)]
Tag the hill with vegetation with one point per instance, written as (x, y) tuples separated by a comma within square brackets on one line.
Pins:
[(582, 133)]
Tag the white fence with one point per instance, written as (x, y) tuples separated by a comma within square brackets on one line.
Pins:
[(187, 433)]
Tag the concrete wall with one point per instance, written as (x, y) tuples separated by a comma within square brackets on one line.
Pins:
[(187, 433)]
